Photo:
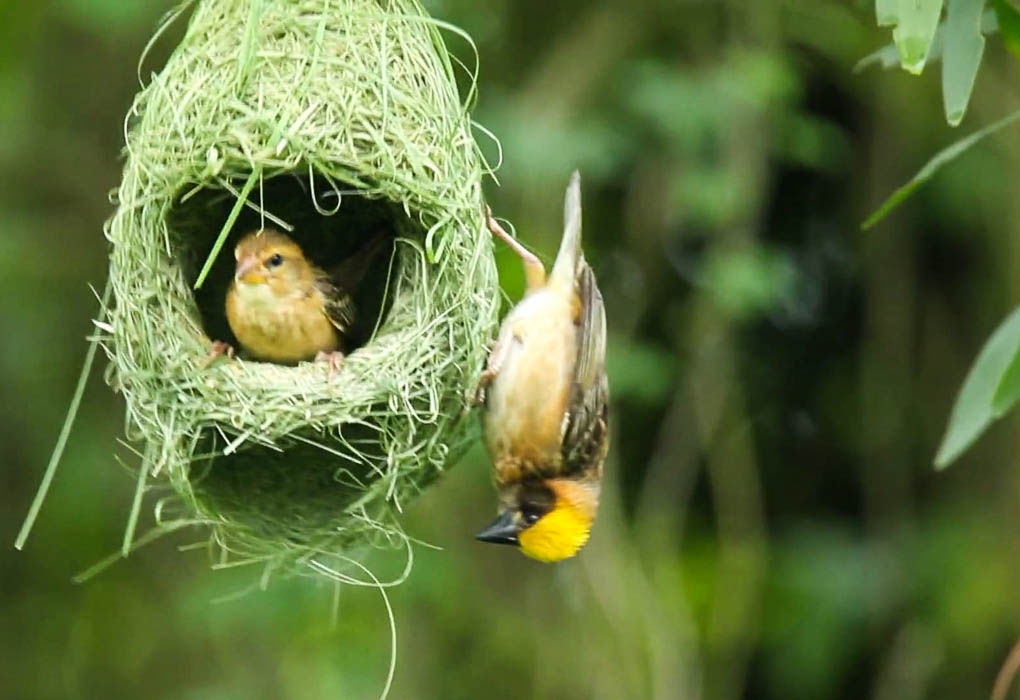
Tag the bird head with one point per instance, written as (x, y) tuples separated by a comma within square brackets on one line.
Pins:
[(269, 260), (548, 520)]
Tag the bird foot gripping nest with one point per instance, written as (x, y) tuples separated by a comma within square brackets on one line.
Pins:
[(218, 349), (333, 362)]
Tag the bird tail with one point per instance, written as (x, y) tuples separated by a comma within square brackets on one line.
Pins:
[(564, 269)]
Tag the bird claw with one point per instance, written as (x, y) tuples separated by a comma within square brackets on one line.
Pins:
[(479, 395), (219, 349), (476, 397), (333, 362), (497, 355)]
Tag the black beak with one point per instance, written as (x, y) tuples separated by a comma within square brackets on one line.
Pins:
[(503, 530)]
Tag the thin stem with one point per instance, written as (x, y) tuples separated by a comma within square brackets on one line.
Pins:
[(65, 431)]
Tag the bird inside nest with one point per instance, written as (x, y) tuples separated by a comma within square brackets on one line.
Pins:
[(283, 308)]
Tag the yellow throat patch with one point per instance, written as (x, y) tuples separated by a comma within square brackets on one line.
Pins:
[(557, 535)]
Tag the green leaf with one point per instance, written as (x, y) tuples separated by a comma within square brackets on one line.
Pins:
[(974, 409), (964, 47), (1009, 24), (1008, 390), (886, 13), (915, 31), (934, 165), (889, 56)]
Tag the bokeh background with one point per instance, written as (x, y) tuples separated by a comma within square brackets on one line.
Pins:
[(772, 527)]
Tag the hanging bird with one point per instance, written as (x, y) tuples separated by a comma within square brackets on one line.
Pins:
[(284, 309), (545, 397)]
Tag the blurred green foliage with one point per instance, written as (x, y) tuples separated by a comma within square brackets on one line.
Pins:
[(771, 526)]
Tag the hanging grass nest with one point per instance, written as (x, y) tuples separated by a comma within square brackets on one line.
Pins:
[(334, 120)]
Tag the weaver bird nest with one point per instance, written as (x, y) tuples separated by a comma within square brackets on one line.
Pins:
[(333, 120)]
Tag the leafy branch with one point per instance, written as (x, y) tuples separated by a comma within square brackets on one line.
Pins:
[(921, 35)]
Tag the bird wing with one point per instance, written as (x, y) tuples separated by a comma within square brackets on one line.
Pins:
[(585, 438), (339, 284), (336, 304)]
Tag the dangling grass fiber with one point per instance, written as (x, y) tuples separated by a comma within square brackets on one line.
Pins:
[(329, 119)]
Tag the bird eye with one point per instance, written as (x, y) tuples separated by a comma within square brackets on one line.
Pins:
[(275, 261), (530, 517)]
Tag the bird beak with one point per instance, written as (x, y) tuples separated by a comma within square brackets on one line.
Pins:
[(503, 530), (248, 271)]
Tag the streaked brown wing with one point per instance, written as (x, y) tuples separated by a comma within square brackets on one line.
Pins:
[(338, 306), (342, 281), (586, 438)]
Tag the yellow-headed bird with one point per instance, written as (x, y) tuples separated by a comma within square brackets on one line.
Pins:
[(545, 400), (284, 309)]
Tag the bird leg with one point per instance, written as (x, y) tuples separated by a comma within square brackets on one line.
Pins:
[(497, 355), (218, 349), (486, 378), (333, 361), (534, 271)]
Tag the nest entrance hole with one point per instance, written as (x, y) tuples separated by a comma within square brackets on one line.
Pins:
[(331, 228)]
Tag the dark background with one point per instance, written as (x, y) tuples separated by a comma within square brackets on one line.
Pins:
[(772, 527)]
